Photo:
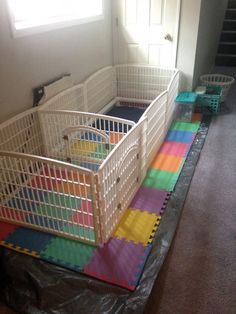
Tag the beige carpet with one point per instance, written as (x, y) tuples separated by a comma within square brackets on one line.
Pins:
[(199, 275)]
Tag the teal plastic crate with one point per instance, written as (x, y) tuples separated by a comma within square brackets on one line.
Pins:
[(185, 104), (210, 100)]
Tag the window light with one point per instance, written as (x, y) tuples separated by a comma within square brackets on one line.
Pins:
[(37, 14)]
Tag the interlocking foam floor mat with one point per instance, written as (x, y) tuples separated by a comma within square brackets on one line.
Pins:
[(121, 260)]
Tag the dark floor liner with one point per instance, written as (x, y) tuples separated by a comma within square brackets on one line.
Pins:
[(32, 286), (126, 112)]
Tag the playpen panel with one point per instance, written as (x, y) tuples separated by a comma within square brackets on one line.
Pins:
[(155, 125), (49, 196), (86, 146), (100, 89), (119, 178), (141, 82), (172, 90), (22, 133), (70, 99)]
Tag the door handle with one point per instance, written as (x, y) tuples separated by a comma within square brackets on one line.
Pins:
[(168, 37)]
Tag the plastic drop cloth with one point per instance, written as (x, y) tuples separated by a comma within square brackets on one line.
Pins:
[(31, 286)]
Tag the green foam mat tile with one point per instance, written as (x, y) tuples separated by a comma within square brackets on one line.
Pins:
[(185, 126), (79, 230), (101, 151), (55, 205), (159, 179), (68, 253)]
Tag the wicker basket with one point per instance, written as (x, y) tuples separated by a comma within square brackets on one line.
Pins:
[(220, 80)]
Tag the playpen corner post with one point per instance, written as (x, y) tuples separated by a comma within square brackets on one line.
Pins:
[(98, 218), (144, 161), (42, 131)]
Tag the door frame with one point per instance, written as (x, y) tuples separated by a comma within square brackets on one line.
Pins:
[(115, 21)]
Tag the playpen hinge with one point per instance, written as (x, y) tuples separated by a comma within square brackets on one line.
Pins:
[(68, 159), (65, 137), (138, 156), (96, 181), (107, 146), (119, 206), (118, 180)]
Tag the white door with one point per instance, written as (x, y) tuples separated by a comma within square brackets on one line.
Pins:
[(145, 31)]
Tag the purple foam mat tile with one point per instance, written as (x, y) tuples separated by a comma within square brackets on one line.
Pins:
[(117, 261), (141, 265), (151, 200)]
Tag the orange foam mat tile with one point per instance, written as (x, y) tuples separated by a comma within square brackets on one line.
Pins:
[(116, 137), (167, 162)]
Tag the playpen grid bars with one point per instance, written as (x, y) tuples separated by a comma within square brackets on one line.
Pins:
[(100, 88), (139, 164), (22, 133), (50, 196), (87, 146), (142, 82), (155, 114), (69, 99), (119, 178), (172, 90)]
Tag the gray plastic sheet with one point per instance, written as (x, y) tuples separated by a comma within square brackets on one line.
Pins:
[(30, 285)]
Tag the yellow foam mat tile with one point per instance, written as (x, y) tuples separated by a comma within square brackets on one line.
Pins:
[(83, 147), (137, 226)]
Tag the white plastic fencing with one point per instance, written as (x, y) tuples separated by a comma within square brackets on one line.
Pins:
[(49, 196), (80, 137), (142, 83), (119, 178), (69, 99), (100, 89), (107, 86), (110, 156), (22, 133), (155, 115), (172, 90)]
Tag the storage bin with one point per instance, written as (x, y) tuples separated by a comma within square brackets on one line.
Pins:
[(185, 104), (210, 100)]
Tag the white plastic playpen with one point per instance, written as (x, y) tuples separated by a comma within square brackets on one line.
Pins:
[(67, 168)]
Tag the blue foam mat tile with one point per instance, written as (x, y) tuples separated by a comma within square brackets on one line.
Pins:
[(143, 260), (180, 136), (26, 199), (31, 240), (90, 166), (45, 222)]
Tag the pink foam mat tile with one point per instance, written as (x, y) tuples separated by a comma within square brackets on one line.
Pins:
[(174, 149), (6, 229), (151, 200), (12, 213), (85, 216), (118, 262)]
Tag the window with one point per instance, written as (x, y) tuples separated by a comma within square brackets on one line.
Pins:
[(33, 16)]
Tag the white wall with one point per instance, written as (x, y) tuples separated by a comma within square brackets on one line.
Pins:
[(210, 26), (29, 61), (188, 34)]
